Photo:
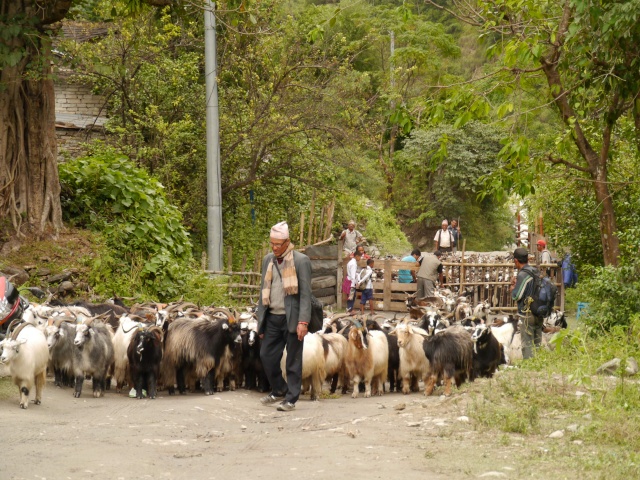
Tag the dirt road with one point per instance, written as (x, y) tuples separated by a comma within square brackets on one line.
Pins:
[(230, 435)]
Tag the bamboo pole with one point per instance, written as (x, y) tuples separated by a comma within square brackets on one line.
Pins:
[(462, 277), (229, 258), (317, 233), (311, 215), (386, 302), (301, 229), (339, 273), (332, 207), (243, 268)]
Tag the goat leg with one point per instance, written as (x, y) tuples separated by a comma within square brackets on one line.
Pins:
[(430, 384), (152, 385), (356, 383), (79, 382), (41, 378)]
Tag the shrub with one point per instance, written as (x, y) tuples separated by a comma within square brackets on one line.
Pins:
[(612, 294), (143, 232)]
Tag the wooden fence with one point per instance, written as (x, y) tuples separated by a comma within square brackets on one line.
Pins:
[(483, 281), (244, 285)]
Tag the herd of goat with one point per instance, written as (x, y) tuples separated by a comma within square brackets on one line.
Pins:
[(441, 340)]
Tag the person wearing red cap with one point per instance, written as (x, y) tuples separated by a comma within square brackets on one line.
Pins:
[(545, 256)]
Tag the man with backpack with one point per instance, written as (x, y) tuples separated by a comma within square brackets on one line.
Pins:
[(523, 290)]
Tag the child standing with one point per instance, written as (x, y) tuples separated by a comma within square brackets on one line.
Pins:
[(366, 280)]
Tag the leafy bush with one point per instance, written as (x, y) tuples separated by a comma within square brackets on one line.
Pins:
[(144, 235), (612, 294)]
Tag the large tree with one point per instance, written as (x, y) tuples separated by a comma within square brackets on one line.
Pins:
[(29, 185), (587, 53)]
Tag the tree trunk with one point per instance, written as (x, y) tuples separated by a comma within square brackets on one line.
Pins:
[(29, 183), (608, 226), (596, 165)]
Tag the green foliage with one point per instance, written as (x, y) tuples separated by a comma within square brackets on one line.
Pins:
[(142, 230), (612, 295), (439, 176)]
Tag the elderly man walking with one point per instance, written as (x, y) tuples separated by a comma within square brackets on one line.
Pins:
[(284, 312)]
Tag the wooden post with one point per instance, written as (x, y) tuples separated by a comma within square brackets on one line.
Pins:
[(311, 215), (339, 277), (243, 268), (229, 259), (464, 246), (386, 292), (330, 211), (319, 231), (301, 229)]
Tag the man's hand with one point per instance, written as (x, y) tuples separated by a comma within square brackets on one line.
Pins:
[(302, 330)]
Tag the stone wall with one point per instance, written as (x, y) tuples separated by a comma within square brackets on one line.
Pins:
[(77, 99), (80, 117), (70, 140)]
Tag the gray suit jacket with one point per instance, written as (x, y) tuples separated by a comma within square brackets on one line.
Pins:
[(297, 307)]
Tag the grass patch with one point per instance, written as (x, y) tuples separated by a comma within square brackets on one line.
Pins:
[(7, 388), (560, 390)]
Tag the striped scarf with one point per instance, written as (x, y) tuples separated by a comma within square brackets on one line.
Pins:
[(289, 277)]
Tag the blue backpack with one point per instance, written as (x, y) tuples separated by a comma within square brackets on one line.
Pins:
[(543, 295)]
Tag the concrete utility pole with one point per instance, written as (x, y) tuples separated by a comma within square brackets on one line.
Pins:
[(214, 189)]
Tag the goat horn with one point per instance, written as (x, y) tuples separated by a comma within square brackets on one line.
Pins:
[(59, 320)]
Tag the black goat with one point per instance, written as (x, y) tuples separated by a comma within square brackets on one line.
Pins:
[(488, 352), (145, 355), (450, 355)]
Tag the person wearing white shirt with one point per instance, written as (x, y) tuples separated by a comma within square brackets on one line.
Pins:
[(444, 238), (352, 276), (365, 280)]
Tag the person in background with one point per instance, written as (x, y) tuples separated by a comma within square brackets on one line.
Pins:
[(351, 238), (409, 276), (569, 275), (365, 279), (545, 256), (444, 238), (457, 235), (352, 275), (429, 273), (284, 313), (521, 292), (360, 248)]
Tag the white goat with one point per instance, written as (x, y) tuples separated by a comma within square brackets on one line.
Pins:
[(129, 325), (367, 360), (26, 353), (506, 335), (313, 365), (335, 346), (413, 360)]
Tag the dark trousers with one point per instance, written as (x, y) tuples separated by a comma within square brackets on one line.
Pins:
[(276, 337)]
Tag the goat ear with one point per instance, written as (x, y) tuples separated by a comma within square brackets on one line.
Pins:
[(22, 341), (225, 326), (61, 333), (393, 332)]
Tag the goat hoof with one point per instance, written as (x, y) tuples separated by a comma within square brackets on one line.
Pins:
[(354, 395), (37, 402), (24, 406), (76, 394)]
